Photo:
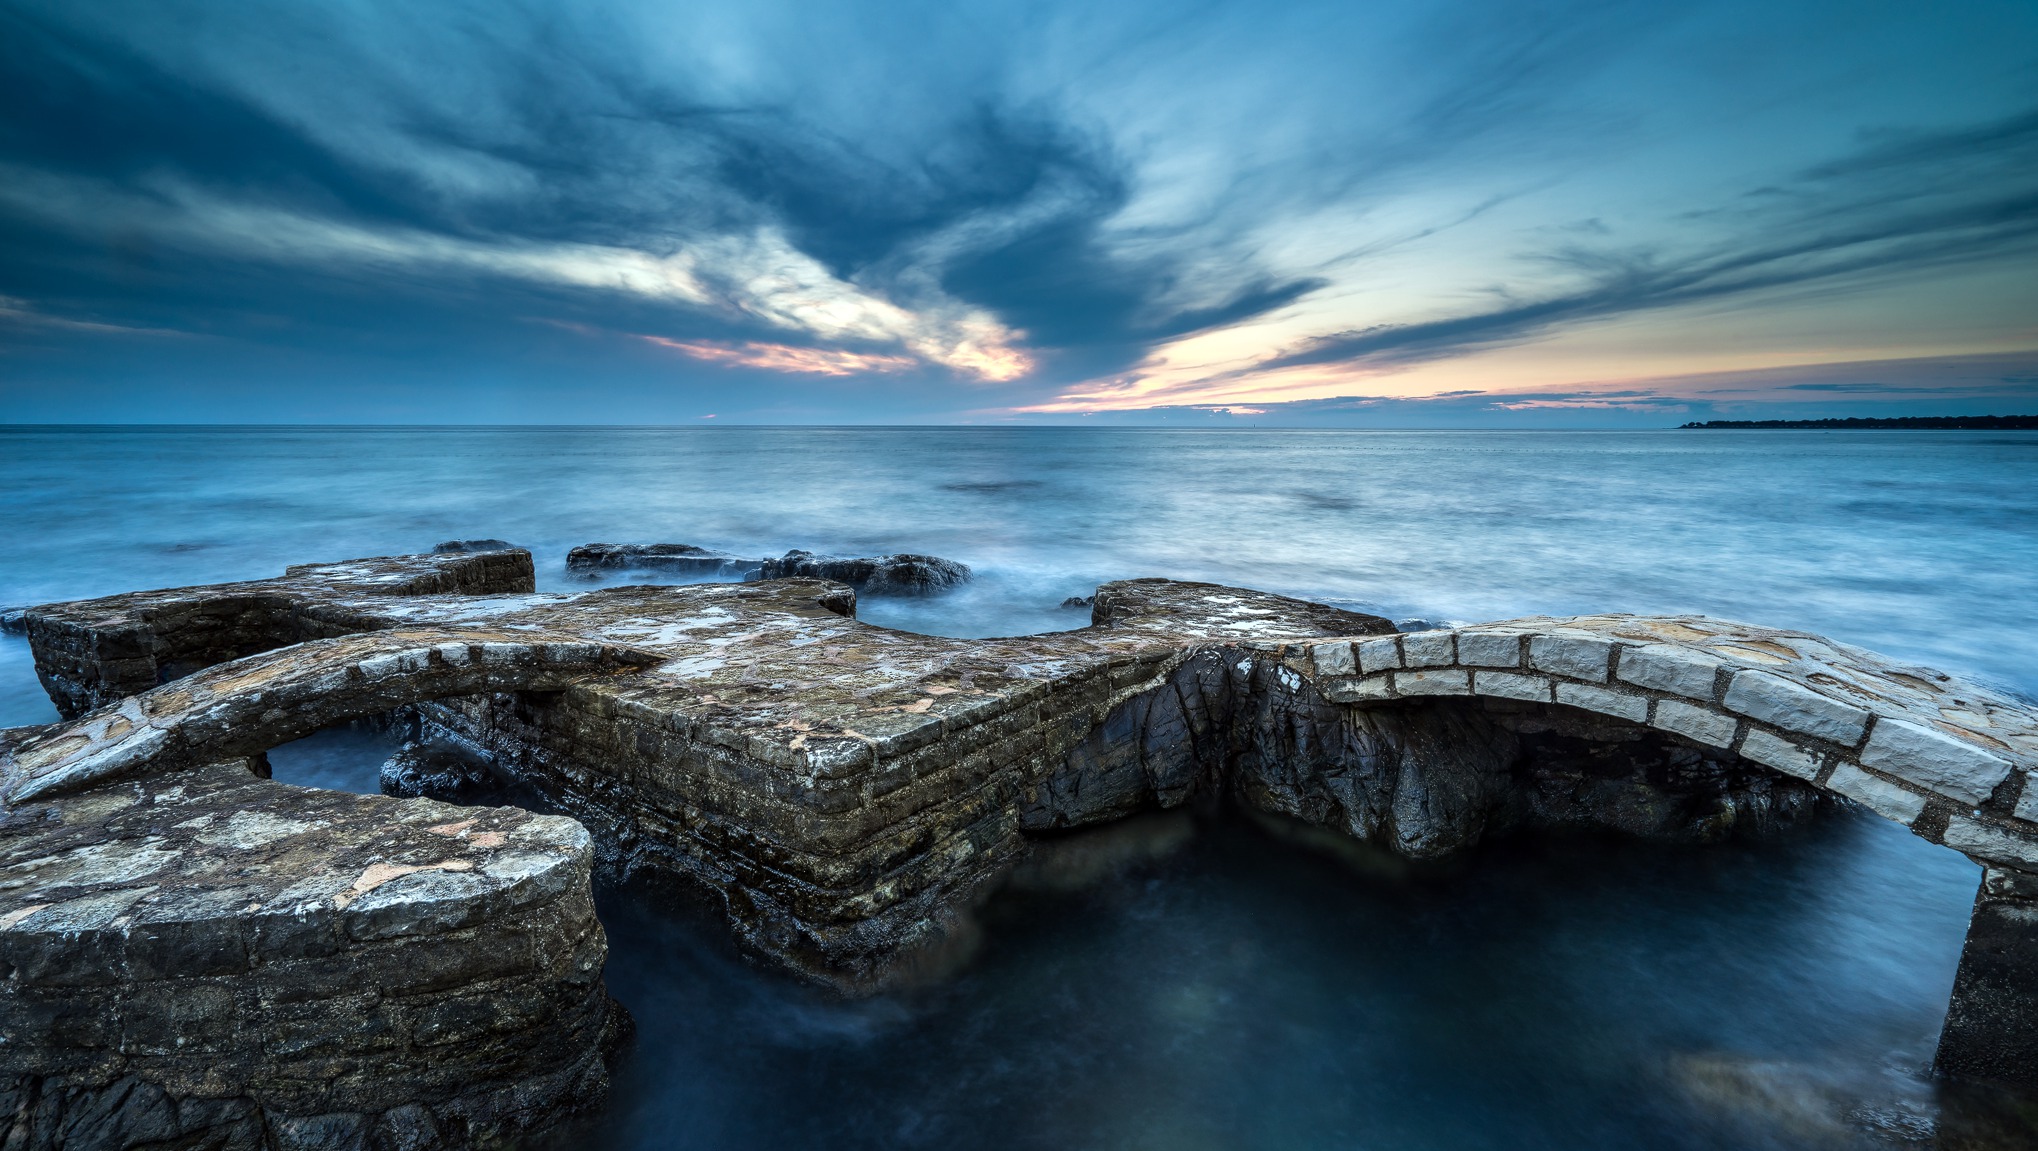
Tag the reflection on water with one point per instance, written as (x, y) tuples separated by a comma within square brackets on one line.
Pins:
[(1191, 982)]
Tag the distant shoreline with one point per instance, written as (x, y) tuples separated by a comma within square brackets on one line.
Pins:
[(1924, 423)]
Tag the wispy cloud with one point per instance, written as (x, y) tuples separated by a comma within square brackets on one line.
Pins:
[(786, 358)]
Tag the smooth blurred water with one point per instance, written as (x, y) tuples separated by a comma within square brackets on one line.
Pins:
[(1219, 988)]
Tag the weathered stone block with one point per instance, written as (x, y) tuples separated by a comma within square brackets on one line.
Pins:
[(1702, 724), (1489, 649), (1606, 701), (1934, 760), (1580, 657), (1429, 648), (1781, 754), (1794, 707), (1993, 842), (1667, 668), (1379, 654), (1879, 795), (1334, 659), (1451, 681), (1358, 690), (1511, 685)]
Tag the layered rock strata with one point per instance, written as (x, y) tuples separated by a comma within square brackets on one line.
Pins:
[(94, 651), (845, 791), (206, 959)]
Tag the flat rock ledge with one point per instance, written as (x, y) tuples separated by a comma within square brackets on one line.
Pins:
[(845, 792)]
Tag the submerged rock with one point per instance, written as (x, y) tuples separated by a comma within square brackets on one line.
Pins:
[(683, 558), (902, 573), (468, 547), (1079, 601), (14, 620)]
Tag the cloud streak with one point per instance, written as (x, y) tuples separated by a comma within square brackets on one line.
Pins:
[(985, 207)]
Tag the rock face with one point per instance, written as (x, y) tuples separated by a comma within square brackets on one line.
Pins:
[(85, 660), (685, 559), (207, 959), (844, 791), (900, 574)]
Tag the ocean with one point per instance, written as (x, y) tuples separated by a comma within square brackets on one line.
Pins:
[(1192, 981)]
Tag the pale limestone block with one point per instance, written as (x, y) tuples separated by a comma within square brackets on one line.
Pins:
[(1446, 682), (1986, 841), (1511, 685), (1429, 648), (1578, 656), (1781, 754), (1793, 707), (2027, 804), (1489, 649), (1357, 690), (1379, 654), (1334, 659), (1880, 795), (1932, 759), (1605, 701), (1699, 723), (1666, 667)]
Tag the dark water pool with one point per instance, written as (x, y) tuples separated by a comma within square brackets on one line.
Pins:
[(1191, 981)]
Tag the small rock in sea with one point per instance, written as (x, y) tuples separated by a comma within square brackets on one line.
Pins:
[(14, 620), (1080, 601), (1407, 625), (900, 574), (684, 558), (461, 547)]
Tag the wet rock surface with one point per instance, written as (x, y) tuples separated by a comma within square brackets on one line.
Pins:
[(843, 792), (466, 547), (899, 574), (685, 559)]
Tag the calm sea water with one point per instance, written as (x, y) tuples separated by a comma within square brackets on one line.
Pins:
[(1185, 982)]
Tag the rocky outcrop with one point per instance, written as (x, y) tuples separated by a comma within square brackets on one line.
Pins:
[(92, 652), (683, 559), (844, 791), (207, 959), (899, 574), (468, 547), (14, 620)]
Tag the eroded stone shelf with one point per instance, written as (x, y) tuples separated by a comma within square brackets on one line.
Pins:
[(844, 791)]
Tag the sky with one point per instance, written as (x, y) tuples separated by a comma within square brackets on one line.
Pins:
[(1435, 213)]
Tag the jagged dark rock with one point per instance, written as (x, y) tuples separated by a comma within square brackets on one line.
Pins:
[(1079, 601), (685, 559), (466, 547), (14, 620), (899, 574), (440, 765)]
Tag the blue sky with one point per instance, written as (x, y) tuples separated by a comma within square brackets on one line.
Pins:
[(1490, 213)]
